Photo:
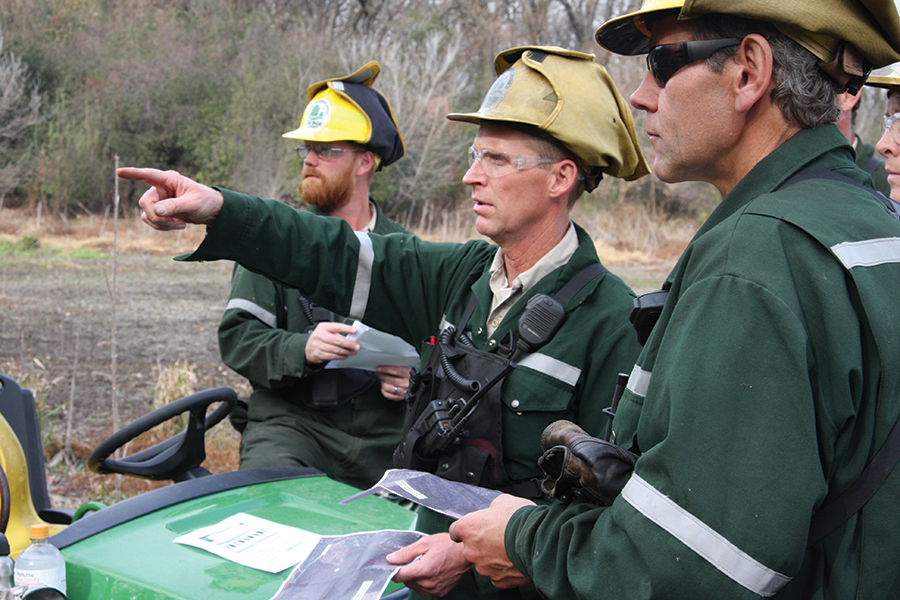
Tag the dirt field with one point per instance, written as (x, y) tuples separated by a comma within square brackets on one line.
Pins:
[(56, 324)]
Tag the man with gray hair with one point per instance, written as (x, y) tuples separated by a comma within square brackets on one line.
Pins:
[(763, 410)]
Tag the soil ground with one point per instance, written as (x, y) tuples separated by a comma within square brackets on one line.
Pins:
[(57, 323)]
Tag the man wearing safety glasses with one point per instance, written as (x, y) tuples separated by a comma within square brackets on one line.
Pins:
[(770, 380), (889, 144), (551, 126), (344, 422)]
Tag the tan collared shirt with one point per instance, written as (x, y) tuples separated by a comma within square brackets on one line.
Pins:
[(505, 294)]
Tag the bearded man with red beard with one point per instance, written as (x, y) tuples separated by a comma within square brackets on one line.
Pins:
[(344, 422)]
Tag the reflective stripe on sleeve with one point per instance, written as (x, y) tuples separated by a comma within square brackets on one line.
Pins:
[(868, 253), (552, 367), (254, 309), (363, 276), (638, 381), (699, 537)]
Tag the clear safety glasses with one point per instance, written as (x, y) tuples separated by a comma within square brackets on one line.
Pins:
[(892, 124), (666, 60), (323, 151), (498, 164)]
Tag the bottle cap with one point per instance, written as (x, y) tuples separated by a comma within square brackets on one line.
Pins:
[(4, 545), (40, 531)]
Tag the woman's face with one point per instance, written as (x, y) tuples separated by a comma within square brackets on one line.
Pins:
[(889, 147)]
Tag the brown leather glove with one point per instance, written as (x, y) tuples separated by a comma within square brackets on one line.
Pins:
[(580, 467)]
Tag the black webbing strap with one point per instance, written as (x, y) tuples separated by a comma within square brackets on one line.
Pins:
[(531, 488), (855, 497), (470, 308), (838, 511), (822, 173), (872, 164), (579, 281), (316, 314), (563, 296)]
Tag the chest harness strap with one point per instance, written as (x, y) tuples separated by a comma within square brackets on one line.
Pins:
[(330, 389), (838, 511), (454, 419)]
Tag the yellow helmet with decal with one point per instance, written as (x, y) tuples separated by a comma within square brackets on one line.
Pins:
[(566, 96), (349, 109), (331, 118)]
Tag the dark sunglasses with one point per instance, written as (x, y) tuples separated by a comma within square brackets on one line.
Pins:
[(665, 60)]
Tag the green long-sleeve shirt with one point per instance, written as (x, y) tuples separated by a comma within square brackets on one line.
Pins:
[(412, 288), (768, 384), (263, 336)]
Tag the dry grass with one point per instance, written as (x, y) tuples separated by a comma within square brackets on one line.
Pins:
[(624, 234), (174, 382), (96, 233), (626, 237)]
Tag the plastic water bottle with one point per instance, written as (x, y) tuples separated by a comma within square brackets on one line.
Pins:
[(40, 562), (6, 564)]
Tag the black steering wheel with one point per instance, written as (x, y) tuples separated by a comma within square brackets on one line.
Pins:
[(177, 458)]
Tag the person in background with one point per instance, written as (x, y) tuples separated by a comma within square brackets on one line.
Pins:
[(551, 126), (344, 422), (770, 380), (889, 143), (866, 157)]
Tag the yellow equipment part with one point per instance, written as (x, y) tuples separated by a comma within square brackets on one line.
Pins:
[(22, 514)]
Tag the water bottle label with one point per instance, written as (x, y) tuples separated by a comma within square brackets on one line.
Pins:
[(49, 577)]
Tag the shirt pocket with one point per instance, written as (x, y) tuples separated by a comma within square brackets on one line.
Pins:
[(533, 400)]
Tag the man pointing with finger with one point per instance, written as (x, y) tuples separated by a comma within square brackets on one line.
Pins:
[(551, 126)]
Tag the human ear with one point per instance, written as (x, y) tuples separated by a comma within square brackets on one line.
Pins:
[(365, 164), (752, 71), (565, 173), (846, 101)]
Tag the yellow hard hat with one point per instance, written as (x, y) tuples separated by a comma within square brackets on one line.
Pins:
[(824, 27), (570, 98), (349, 109), (331, 118)]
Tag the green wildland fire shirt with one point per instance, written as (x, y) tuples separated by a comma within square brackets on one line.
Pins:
[(769, 382), (402, 285)]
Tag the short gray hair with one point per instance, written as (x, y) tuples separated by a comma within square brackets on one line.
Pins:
[(553, 149), (805, 94)]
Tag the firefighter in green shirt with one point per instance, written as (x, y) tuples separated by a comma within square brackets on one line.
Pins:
[(344, 422), (866, 158), (770, 380), (889, 144), (551, 126)]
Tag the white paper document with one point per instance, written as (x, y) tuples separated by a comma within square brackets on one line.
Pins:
[(254, 542), (377, 348), (449, 498)]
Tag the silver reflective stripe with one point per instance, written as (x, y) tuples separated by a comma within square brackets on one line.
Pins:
[(702, 539), (363, 276), (868, 253), (254, 309), (638, 381), (552, 367), (444, 323)]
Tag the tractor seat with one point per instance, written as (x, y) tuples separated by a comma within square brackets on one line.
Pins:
[(18, 409)]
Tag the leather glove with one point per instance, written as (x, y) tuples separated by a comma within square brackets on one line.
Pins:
[(580, 467)]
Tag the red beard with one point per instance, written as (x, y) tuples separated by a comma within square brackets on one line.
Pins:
[(326, 193)]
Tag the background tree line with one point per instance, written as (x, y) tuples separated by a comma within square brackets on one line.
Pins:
[(207, 87)]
